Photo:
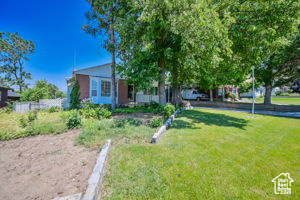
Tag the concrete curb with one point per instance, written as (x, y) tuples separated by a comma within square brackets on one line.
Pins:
[(96, 178), (166, 125)]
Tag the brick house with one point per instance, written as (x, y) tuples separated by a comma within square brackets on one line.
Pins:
[(95, 84)]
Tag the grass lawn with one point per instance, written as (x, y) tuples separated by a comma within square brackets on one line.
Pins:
[(208, 154), (46, 123), (279, 100)]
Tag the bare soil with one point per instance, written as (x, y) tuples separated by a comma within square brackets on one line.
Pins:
[(44, 167)]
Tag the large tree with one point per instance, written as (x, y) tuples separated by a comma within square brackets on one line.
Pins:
[(181, 39), (14, 51), (261, 30), (102, 19), (282, 68)]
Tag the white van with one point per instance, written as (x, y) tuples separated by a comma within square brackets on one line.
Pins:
[(193, 95)]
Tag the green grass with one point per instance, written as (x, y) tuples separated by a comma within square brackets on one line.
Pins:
[(280, 100), (208, 154), (46, 123), (123, 131)]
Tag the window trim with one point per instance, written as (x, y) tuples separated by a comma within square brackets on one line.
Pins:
[(104, 90)]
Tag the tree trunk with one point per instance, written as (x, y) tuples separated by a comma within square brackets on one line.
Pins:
[(223, 94), (268, 94), (113, 71), (211, 98), (176, 96), (161, 88)]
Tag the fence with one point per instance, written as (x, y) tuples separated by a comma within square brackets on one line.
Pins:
[(23, 107)]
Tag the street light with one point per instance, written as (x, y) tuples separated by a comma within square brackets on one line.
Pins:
[(252, 90)]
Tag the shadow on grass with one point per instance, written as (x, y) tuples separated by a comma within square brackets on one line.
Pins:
[(197, 116)]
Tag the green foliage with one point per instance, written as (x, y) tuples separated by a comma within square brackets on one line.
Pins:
[(155, 122), (127, 121), (11, 126), (168, 110), (233, 97), (96, 112), (74, 96), (72, 119), (14, 52), (28, 119), (54, 109), (42, 90), (278, 93)]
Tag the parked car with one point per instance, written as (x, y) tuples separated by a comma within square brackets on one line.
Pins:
[(193, 95)]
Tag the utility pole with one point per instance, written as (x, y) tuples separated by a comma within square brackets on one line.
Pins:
[(252, 90)]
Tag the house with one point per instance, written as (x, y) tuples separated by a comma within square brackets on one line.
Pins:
[(7, 94), (282, 183), (95, 84)]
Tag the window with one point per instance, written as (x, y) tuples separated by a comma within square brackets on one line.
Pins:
[(194, 92), (105, 88), (94, 88)]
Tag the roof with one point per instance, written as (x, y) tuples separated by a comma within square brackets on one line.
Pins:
[(92, 67), (285, 175), (4, 87), (12, 94)]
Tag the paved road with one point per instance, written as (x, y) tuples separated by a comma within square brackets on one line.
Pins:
[(273, 113)]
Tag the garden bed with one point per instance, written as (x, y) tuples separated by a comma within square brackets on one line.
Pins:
[(44, 167)]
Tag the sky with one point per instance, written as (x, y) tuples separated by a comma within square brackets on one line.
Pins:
[(55, 28)]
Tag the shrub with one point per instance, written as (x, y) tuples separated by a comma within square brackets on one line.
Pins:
[(119, 123), (278, 93), (28, 119), (74, 96), (168, 110), (99, 112), (73, 119), (54, 109), (234, 97), (227, 95), (86, 104), (155, 122)]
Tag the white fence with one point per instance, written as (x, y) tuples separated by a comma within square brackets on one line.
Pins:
[(23, 107)]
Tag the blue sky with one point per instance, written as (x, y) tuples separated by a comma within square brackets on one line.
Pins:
[(55, 28)]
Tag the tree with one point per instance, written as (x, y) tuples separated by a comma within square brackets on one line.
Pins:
[(280, 69), (14, 51), (102, 19), (261, 30), (181, 39), (42, 90), (74, 96)]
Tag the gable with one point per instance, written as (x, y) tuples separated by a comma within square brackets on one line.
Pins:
[(101, 71)]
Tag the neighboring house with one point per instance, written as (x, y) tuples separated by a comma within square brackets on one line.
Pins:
[(7, 94), (95, 84)]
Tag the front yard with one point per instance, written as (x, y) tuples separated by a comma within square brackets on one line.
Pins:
[(208, 154)]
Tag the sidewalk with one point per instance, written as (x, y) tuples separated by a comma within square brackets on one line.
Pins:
[(273, 113)]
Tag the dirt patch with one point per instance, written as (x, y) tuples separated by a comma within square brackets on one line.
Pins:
[(44, 167), (141, 116)]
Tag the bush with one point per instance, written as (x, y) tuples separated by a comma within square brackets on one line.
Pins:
[(119, 123), (168, 110), (99, 112), (54, 109), (234, 97), (28, 119), (73, 119), (155, 122), (227, 95), (278, 93)]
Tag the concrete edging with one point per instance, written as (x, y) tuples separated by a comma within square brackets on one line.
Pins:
[(96, 178), (166, 125)]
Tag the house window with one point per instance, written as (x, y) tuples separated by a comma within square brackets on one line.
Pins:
[(94, 88), (105, 88)]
